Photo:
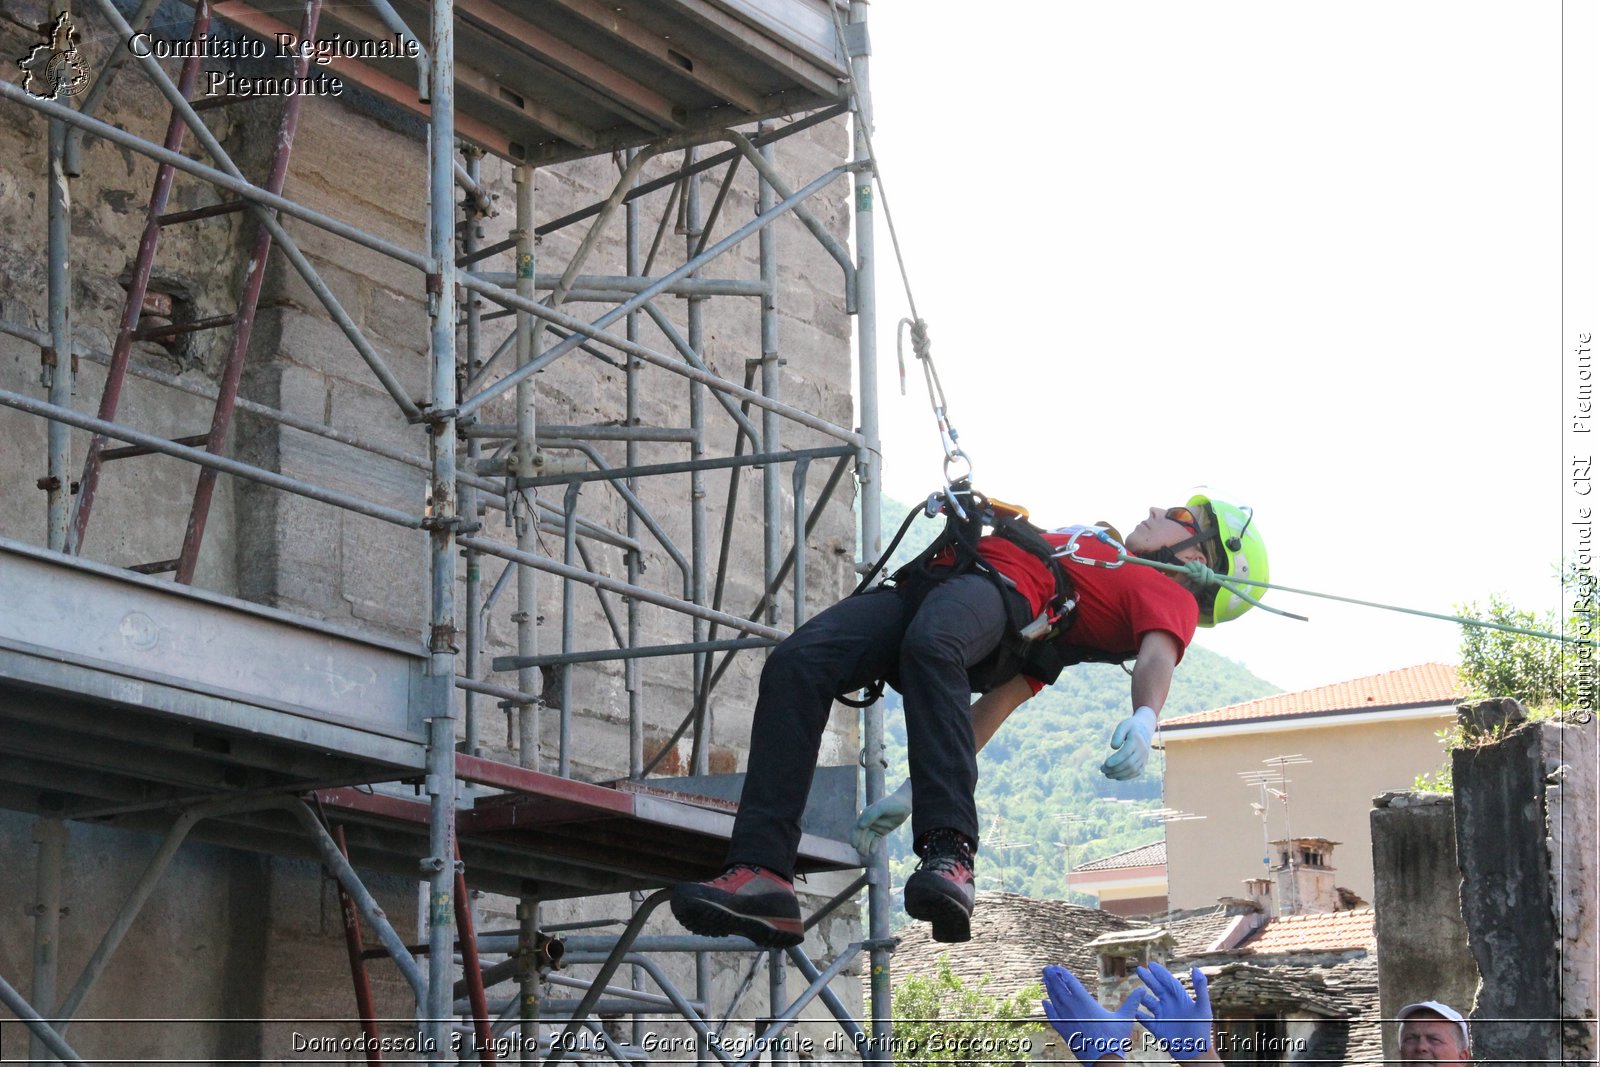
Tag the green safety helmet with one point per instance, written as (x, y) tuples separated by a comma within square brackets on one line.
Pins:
[(1234, 548)]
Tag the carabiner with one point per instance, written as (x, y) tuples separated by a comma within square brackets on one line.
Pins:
[(1070, 549), (954, 454)]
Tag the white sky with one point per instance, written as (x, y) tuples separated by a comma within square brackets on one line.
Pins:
[(1305, 253)]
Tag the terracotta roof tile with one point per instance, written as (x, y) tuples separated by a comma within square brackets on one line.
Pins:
[(1150, 855), (1427, 683), (1332, 931)]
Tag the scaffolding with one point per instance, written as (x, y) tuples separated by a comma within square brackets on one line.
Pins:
[(265, 729)]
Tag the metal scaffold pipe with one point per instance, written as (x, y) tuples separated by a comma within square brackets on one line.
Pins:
[(523, 519), (469, 492), (871, 535), (59, 365), (439, 865)]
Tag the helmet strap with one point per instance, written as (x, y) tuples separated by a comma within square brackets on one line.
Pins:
[(1169, 554)]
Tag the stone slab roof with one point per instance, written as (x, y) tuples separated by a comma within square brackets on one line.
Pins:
[(1420, 686), (1195, 931), (1013, 939), (1345, 994)]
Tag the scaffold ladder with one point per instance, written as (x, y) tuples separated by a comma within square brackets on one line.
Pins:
[(241, 321)]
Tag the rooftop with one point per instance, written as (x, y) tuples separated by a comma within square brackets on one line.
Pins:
[(1154, 854), (1334, 931), (1345, 994), (1424, 685), (1197, 929), (1013, 939)]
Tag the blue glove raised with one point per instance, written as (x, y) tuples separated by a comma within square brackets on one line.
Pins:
[(1090, 1031), (1180, 1023), (880, 818), (1131, 739)]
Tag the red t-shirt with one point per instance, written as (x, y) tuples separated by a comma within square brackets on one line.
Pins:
[(1116, 608)]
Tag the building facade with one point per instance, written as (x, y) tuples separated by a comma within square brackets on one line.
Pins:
[(1296, 765)]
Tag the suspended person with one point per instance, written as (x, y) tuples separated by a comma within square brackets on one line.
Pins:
[(944, 628)]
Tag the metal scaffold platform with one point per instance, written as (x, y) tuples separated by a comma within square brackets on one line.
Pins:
[(136, 700)]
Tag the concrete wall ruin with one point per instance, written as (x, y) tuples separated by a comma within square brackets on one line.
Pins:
[(1422, 938), (1522, 851)]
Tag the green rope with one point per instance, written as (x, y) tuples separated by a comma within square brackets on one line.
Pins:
[(1199, 572)]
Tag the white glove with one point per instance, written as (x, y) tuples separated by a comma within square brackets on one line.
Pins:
[(880, 818), (1131, 739)]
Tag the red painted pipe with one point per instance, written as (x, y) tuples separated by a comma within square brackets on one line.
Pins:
[(468, 938), (358, 963)]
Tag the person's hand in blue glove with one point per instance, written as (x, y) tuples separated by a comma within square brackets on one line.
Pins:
[(1131, 739), (1181, 1023), (880, 818), (1091, 1032)]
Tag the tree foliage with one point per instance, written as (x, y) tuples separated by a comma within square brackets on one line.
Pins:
[(1537, 671), (1546, 675), (938, 1018)]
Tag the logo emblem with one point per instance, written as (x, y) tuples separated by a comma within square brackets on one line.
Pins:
[(55, 69)]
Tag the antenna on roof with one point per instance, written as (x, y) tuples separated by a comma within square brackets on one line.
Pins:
[(1273, 784)]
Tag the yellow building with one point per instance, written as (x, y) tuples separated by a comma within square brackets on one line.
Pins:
[(1296, 765)]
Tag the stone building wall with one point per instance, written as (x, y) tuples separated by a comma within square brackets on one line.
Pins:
[(360, 162)]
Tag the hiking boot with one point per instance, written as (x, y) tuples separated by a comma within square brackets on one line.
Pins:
[(745, 901), (941, 891)]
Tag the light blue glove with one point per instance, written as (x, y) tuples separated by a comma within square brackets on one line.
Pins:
[(1089, 1030), (880, 818), (1131, 739), (1180, 1023)]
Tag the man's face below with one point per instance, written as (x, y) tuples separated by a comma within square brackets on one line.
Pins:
[(1426, 1038)]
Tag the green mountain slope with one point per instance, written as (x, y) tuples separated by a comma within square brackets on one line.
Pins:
[(1039, 785)]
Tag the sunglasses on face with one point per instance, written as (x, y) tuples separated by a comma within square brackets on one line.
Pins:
[(1184, 517)]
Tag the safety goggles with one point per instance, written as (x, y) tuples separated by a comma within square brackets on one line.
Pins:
[(1184, 517)]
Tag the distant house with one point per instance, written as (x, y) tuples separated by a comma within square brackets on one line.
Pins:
[(1131, 882), (1353, 740)]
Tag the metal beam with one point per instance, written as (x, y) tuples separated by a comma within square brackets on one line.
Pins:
[(678, 60), (630, 99)]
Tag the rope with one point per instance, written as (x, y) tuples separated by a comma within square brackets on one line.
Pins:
[(865, 122), (957, 464), (1199, 572)]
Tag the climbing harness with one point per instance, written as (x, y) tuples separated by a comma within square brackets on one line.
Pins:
[(1030, 646)]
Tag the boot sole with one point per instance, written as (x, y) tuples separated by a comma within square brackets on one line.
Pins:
[(710, 919), (951, 921)]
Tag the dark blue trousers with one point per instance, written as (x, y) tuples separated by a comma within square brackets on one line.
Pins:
[(925, 644)]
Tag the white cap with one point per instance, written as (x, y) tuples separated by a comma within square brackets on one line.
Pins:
[(1444, 1011)]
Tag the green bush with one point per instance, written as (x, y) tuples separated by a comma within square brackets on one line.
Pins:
[(941, 1019)]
